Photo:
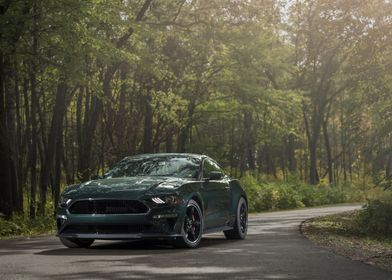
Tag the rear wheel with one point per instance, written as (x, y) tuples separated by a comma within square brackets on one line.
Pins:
[(192, 227), (240, 228), (76, 243)]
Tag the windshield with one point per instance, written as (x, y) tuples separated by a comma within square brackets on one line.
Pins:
[(168, 166)]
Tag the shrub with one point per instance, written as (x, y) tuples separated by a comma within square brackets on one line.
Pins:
[(8, 228), (22, 225), (251, 187), (308, 196), (264, 196), (375, 218), (332, 195), (289, 198)]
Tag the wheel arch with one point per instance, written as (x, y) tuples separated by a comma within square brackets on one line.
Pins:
[(199, 201), (237, 192), (192, 191)]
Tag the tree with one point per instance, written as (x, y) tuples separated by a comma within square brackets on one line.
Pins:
[(330, 37)]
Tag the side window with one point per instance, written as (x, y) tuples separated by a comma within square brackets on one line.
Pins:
[(208, 167)]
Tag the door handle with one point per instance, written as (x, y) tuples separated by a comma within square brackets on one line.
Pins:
[(228, 188)]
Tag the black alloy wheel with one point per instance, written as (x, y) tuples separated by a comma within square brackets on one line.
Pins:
[(240, 227), (192, 227)]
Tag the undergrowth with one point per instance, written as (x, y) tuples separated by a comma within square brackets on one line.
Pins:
[(270, 195)]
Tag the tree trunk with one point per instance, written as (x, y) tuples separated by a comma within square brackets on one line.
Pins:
[(343, 143), (18, 143), (313, 134), (57, 169), (8, 158), (33, 146), (249, 139), (12, 144), (291, 153), (147, 137), (329, 153), (86, 131), (313, 174), (5, 180), (121, 124), (388, 167), (169, 140), (55, 131), (185, 132)]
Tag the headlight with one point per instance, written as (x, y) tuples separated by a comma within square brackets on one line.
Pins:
[(64, 201), (169, 199)]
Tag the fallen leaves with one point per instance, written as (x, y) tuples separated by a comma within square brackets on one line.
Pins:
[(338, 233)]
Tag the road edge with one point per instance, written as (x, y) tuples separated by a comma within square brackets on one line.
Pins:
[(338, 247)]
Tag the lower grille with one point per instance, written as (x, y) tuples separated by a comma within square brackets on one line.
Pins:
[(105, 229), (104, 206)]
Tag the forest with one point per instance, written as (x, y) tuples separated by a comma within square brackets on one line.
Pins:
[(296, 89)]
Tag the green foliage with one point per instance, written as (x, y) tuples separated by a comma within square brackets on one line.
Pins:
[(19, 225), (249, 83), (373, 221), (264, 196), (382, 180), (375, 218)]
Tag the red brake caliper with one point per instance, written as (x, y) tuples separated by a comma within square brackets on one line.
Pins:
[(193, 220)]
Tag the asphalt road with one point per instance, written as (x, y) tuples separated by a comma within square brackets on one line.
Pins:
[(274, 249)]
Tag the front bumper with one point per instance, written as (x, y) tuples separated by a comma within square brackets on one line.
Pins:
[(160, 222), (112, 236)]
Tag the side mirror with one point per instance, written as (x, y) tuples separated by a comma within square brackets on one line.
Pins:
[(216, 175), (95, 177)]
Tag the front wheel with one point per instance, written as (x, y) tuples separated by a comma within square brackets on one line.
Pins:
[(240, 228), (76, 243), (192, 227)]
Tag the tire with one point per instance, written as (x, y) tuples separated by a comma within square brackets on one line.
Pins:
[(192, 228), (240, 228), (76, 243)]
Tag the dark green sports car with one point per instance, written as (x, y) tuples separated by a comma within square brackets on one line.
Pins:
[(162, 196)]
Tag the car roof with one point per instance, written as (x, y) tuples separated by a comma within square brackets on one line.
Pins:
[(146, 156)]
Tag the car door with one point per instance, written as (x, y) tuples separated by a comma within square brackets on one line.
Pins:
[(216, 196)]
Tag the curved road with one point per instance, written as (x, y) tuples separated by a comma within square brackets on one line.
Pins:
[(274, 249)]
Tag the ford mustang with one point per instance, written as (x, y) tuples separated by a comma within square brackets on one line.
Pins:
[(177, 197)]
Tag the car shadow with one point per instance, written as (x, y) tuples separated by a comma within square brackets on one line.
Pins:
[(134, 247)]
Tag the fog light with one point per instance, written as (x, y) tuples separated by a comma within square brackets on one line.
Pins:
[(165, 216), (62, 219)]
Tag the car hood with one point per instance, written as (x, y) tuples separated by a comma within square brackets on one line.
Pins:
[(129, 187)]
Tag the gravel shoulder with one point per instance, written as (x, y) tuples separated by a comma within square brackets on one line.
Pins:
[(333, 233)]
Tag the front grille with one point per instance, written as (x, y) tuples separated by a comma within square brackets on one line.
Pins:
[(105, 229), (104, 206)]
